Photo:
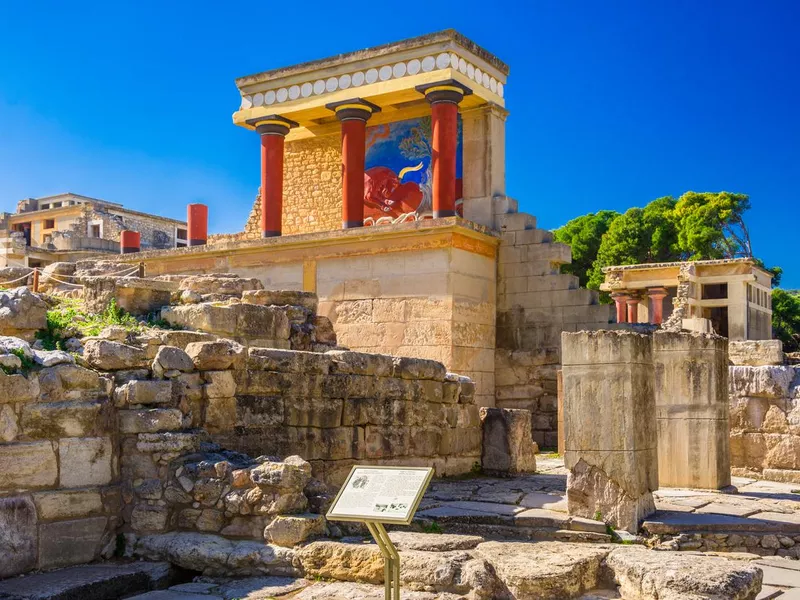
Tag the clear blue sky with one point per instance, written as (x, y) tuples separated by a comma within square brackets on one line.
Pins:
[(612, 103)]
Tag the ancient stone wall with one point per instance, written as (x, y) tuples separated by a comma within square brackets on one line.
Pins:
[(155, 233), (59, 474), (535, 304)]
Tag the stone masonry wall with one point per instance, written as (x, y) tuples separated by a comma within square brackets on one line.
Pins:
[(312, 189), (535, 304), (155, 233), (59, 476)]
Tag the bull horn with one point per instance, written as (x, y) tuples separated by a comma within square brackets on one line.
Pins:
[(405, 170)]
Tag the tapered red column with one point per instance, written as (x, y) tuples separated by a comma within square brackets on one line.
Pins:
[(444, 98), (633, 309), (197, 224), (273, 130), (353, 115), (657, 296), (622, 307)]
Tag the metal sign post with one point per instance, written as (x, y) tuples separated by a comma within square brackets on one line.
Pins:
[(378, 495)]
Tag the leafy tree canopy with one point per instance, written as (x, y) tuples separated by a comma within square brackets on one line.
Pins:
[(786, 319), (583, 235)]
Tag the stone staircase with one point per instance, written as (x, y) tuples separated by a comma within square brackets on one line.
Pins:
[(535, 304)]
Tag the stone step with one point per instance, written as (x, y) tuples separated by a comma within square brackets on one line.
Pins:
[(503, 205), (662, 523), (516, 222), (105, 581)]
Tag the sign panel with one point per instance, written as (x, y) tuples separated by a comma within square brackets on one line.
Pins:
[(381, 494)]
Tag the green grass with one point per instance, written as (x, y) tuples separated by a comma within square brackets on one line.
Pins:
[(69, 318), (432, 527)]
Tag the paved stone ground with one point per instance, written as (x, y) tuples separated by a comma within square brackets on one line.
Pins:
[(537, 505)]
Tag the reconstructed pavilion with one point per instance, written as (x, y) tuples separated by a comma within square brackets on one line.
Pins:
[(734, 296)]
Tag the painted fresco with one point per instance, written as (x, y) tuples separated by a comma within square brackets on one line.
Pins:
[(398, 172)]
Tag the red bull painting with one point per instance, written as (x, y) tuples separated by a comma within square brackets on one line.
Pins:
[(397, 177)]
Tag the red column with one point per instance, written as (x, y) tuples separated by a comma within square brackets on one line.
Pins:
[(129, 241), (197, 224), (353, 114), (444, 125), (273, 130), (622, 309), (633, 310), (444, 98), (657, 296)]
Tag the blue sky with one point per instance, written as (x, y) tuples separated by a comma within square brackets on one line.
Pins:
[(612, 103)]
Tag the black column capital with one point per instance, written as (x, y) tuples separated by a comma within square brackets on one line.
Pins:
[(272, 125), (449, 90), (356, 108)]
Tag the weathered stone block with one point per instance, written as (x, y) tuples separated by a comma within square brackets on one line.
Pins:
[(756, 353), (86, 461), (612, 458), (22, 313), (215, 356), (691, 391), (290, 530), (143, 392), (67, 504), (60, 419), (111, 356), (765, 382), (507, 443), (9, 428), (27, 465), (221, 414), (219, 384), (418, 368), (360, 363), (313, 412), (146, 518), (307, 300), (18, 535), (149, 421), (18, 388), (66, 543), (288, 361), (169, 358)]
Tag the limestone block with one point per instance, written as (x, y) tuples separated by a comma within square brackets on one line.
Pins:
[(22, 313), (65, 543), (215, 356), (507, 443), (418, 368), (691, 394), (219, 384), (149, 421), (171, 358), (9, 427), (221, 414), (60, 419), (67, 504), (312, 412), (307, 300), (290, 530), (18, 535), (18, 388), (240, 321), (27, 465), (612, 457), (143, 392), (360, 363), (756, 353), (226, 284), (288, 361), (111, 356), (766, 381), (147, 518), (86, 461), (181, 339), (461, 441)]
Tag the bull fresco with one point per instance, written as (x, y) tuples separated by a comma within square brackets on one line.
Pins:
[(398, 172)]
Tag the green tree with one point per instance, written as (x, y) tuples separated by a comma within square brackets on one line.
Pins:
[(583, 235), (786, 319), (711, 225)]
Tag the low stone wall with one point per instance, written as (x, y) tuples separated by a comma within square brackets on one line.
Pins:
[(341, 407), (59, 476), (765, 421)]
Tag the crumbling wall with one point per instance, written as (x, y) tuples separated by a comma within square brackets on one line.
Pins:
[(59, 475), (764, 397)]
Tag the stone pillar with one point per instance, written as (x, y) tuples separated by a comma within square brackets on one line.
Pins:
[(620, 300), (691, 390), (273, 130), (560, 408), (633, 309), (353, 115), (197, 224), (444, 97), (609, 426), (508, 445), (129, 241), (656, 296), (484, 162)]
